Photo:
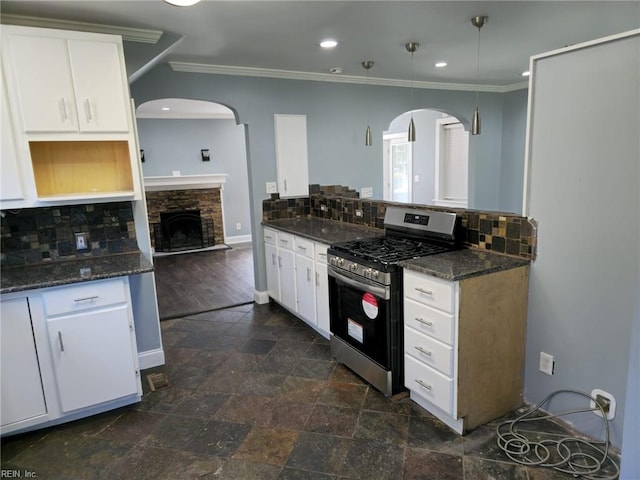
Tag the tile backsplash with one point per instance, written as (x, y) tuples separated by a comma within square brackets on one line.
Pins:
[(34, 235), (499, 232)]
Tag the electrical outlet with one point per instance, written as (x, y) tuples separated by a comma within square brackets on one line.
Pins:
[(547, 363), (606, 401), (358, 213), (366, 192), (81, 241), (272, 187), (238, 226), (323, 208)]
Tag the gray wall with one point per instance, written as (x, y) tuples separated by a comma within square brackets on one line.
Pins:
[(175, 144), (336, 119), (584, 177), (514, 126)]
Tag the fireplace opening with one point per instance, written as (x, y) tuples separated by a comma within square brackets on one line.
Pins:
[(183, 230)]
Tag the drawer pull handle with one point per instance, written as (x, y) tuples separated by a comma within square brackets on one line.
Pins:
[(60, 341), (422, 290), (428, 323), (422, 384), (63, 108), (308, 275), (282, 240), (422, 350), (300, 247), (268, 237), (322, 254), (88, 105), (86, 299)]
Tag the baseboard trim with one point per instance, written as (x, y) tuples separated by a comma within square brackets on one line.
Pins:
[(238, 239), (260, 297), (151, 358)]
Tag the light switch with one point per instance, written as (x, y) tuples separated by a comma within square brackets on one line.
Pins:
[(272, 187)]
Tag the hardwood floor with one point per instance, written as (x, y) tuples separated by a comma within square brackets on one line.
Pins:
[(197, 282)]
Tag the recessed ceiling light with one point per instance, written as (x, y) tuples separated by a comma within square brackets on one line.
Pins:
[(328, 43), (165, 109), (335, 70), (526, 74), (441, 64), (182, 3)]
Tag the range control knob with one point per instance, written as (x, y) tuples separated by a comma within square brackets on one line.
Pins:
[(367, 272), (341, 262), (353, 267), (332, 260), (376, 274)]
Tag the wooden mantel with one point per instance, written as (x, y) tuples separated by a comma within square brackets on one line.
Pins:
[(184, 182)]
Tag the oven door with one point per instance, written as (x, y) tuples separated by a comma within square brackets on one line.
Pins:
[(360, 314)]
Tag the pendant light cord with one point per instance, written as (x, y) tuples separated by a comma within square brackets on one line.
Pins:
[(413, 74), (478, 68)]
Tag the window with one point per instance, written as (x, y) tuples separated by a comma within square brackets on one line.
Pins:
[(452, 161)]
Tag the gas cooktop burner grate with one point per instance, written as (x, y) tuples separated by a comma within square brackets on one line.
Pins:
[(389, 249)]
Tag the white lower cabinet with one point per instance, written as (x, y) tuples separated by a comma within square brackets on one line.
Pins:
[(22, 393), (74, 356), (464, 345), (296, 270)]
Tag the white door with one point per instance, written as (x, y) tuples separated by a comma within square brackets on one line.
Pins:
[(44, 83), (273, 276), (286, 262), (22, 395), (292, 155), (93, 357), (305, 284), (101, 96)]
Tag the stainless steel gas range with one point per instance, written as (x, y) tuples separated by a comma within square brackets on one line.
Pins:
[(365, 292)]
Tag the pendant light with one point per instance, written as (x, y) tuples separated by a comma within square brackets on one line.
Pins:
[(412, 47), (367, 65), (478, 22)]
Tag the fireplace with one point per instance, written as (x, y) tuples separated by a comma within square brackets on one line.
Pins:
[(183, 230)]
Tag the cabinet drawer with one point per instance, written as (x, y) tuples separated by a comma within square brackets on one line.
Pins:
[(304, 247), (429, 351), (285, 240), (270, 236), (321, 252), (427, 320), (84, 296), (428, 383), (431, 291)]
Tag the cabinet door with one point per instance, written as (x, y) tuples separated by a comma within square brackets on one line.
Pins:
[(292, 155), (22, 395), (93, 358), (101, 96), (11, 178), (273, 276), (286, 263), (305, 285), (322, 297), (44, 84)]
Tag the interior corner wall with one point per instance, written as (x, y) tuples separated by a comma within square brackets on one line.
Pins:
[(514, 126), (583, 191)]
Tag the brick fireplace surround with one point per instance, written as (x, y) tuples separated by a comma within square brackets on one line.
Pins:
[(207, 200)]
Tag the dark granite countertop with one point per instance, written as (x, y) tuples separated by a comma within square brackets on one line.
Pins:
[(323, 230), (30, 277), (461, 264)]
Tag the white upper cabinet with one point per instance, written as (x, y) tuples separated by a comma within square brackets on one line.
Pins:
[(292, 155), (68, 85)]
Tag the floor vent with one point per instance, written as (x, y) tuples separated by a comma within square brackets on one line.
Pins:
[(157, 381)]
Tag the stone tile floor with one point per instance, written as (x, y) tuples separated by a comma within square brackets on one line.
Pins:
[(254, 394)]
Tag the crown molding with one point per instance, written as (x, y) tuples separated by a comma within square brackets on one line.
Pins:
[(327, 77), (139, 35)]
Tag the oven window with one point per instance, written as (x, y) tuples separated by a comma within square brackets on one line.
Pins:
[(361, 319)]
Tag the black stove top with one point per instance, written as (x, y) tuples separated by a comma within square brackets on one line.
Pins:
[(388, 250)]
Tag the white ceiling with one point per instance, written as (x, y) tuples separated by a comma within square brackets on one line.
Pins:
[(282, 36)]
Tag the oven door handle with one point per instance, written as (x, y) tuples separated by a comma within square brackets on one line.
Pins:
[(382, 292)]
